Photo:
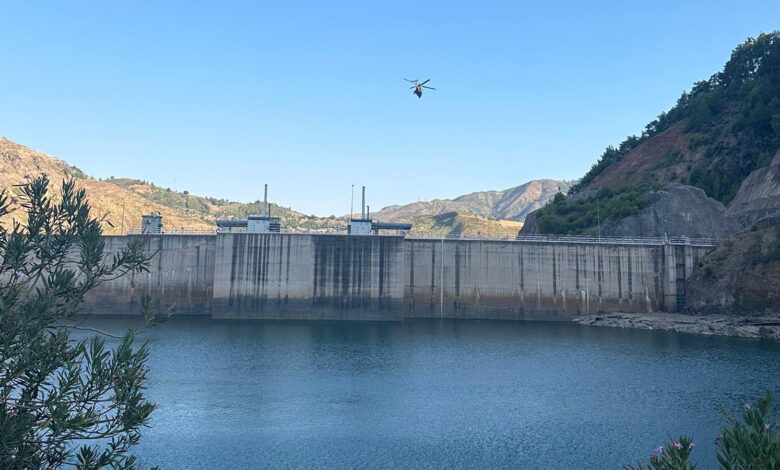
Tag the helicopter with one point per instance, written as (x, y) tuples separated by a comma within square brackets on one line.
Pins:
[(419, 86)]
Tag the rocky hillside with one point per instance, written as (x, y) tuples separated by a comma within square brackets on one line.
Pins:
[(717, 134), (759, 195), (673, 210), (720, 137), (512, 204), (742, 274), (451, 224), (124, 200), (708, 167), (437, 223), (210, 209), (119, 206), (433, 222)]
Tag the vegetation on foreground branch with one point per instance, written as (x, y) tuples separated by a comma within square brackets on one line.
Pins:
[(64, 402), (749, 443)]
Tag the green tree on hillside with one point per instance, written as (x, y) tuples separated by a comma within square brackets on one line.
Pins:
[(737, 113), (576, 215), (63, 402)]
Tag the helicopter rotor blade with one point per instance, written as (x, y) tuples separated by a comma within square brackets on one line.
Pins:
[(410, 81), (414, 87), (429, 87), (426, 81)]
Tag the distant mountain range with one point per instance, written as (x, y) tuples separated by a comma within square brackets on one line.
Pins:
[(122, 201), (510, 204)]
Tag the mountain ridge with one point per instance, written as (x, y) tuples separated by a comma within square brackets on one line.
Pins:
[(121, 209), (122, 201), (509, 204)]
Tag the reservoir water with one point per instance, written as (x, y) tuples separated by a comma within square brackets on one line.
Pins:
[(431, 394)]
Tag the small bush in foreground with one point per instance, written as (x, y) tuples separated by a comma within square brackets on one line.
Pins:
[(751, 442), (747, 443), (64, 402), (675, 456)]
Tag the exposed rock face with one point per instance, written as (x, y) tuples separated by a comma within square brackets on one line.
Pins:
[(649, 163), (530, 227), (759, 195), (675, 210), (516, 203), (745, 327), (741, 275)]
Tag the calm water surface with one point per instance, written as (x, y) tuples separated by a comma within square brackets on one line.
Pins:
[(436, 394)]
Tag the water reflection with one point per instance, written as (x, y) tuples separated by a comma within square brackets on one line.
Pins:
[(436, 394)]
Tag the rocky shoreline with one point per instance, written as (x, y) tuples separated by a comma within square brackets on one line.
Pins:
[(716, 325)]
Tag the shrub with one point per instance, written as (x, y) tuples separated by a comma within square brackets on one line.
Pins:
[(64, 402), (675, 456), (576, 216), (751, 442)]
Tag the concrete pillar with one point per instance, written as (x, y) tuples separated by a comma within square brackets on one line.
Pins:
[(688, 250), (670, 278)]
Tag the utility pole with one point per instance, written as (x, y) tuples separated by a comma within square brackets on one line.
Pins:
[(598, 215), (122, 231), (441, 281)]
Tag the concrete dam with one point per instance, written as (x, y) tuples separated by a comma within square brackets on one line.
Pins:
[(287, 276)]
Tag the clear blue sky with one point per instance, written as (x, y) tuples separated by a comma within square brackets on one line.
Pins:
[(220, 97)]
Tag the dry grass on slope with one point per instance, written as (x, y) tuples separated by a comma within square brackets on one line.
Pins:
[(17, 163), (467, 225)]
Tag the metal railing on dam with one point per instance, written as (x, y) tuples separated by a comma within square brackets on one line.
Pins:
[(656, 241), (704, 242), (620, 240), (182, 231)]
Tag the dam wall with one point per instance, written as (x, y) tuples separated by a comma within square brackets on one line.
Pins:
[(308, 277), (339, 277), (541, 280), (181, 274)]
